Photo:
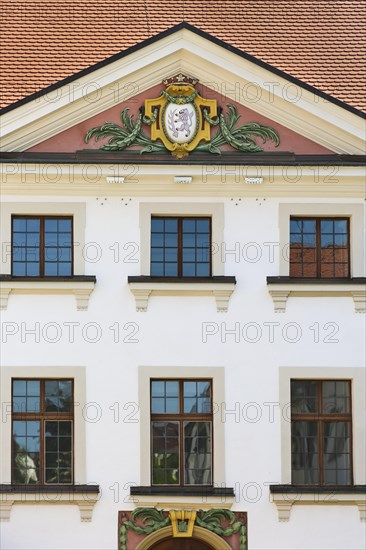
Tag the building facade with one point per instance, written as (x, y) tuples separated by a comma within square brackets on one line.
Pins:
[(182, 327)]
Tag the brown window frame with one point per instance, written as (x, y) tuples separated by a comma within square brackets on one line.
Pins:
[(321, 418), (42, 416), (181, 417), (180, 220), (42, 219), (318, 220)]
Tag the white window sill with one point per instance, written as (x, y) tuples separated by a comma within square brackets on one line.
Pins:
[(285, 500), (281, 288), (84, 498), (219, 287), (79, 286)]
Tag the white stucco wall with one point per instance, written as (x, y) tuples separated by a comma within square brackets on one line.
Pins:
[(170, 334)]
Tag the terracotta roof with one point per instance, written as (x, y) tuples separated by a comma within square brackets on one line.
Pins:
[(320, 42)]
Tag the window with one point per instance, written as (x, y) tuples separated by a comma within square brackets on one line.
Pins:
[(321, 426), (181, 246), (181, 432), (42, 431), (42, 246), (319, 247)]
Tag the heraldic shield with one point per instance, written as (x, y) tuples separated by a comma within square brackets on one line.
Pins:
[(180, 116)]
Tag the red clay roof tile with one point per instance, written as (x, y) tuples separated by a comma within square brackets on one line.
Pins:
[(320, 42)]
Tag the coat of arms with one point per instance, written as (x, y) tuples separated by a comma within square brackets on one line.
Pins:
[(180, 121)]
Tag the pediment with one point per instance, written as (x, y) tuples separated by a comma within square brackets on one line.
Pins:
[(305, 122), (73, 139)]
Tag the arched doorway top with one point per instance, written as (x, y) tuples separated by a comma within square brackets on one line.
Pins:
[(198, 534)]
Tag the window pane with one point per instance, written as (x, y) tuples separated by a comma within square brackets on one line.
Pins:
[(336, 397), (336, 456), (157, 225), (58, 396), (165, 453), (340, 226), (50, 225), (171, 225), (19, 224), (203, 270), (171, 270), (58, 456), (327, 226), (189, 226), (26, 449), (19, 387), (64, 269), (164, 397), (197, 453), (303, 396), (304, 455), (33, 224), (158, 388), (26, 396)]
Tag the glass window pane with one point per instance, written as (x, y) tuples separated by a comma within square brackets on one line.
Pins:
[(50, 225), (340, 226), (171, 270), (157, 270), (50, 268), (33, 388), (171, 225), (64, 225), (158, 405), (326, 226), (303, 396), (157, 225), (190, 405), (203, 226), (32, 239), (189, 226), (203, 270), (33, 404), (19, 268), (33, 224), (309, 226), (64, 269), (172, 389), (189, 270), (157, 254), (189, 240), (157, 388), (304, 455), (336, 456), (295, 226), (19, 387), (171, 239), (171, 254), (165, 453), (336, 397), (197, 453), (190, 389), (32, 269), (171, 405), (19, 224), (157, 239)]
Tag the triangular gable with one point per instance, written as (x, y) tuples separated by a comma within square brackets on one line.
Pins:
[(73, 139), (252, 85)]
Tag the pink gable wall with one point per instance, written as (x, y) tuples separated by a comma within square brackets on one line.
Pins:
[(72, 140)]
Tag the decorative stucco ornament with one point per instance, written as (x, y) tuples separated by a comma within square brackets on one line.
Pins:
[(181, 121)]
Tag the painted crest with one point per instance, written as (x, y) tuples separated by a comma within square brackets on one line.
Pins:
[(180, 121), (178, 116)]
